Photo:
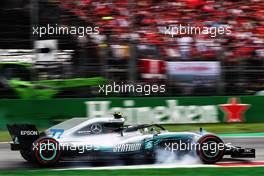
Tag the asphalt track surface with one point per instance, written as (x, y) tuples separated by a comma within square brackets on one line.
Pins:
[(10, 160)]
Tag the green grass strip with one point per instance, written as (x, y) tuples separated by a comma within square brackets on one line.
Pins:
[(233, 171)]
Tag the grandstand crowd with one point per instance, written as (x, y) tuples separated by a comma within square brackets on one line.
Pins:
[(142, 22), (134, 29)]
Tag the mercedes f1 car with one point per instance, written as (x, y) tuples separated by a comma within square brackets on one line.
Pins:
[(108, 138)]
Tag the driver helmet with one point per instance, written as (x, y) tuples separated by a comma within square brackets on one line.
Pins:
[(118, 115)]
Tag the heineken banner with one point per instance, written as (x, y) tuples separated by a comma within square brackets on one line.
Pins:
[(181, 110), (137, 110)]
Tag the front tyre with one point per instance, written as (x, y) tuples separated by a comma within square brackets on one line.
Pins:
[(46, 151), (211, 149)]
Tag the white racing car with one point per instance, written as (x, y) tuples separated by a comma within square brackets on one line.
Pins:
[(109, 139)]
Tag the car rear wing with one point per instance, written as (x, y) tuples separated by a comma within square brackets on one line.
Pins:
[(23, 135)]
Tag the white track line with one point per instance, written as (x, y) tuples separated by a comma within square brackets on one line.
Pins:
[(158, 166), (149, 166), (5, 142)]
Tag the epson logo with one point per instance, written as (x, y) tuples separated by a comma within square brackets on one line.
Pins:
[(28, 133)]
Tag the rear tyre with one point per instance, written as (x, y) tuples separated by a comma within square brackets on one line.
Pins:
[(211, 149), (46, 151)]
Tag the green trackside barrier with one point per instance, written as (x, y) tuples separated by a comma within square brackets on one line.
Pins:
[(44, 113), (27, 88)]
